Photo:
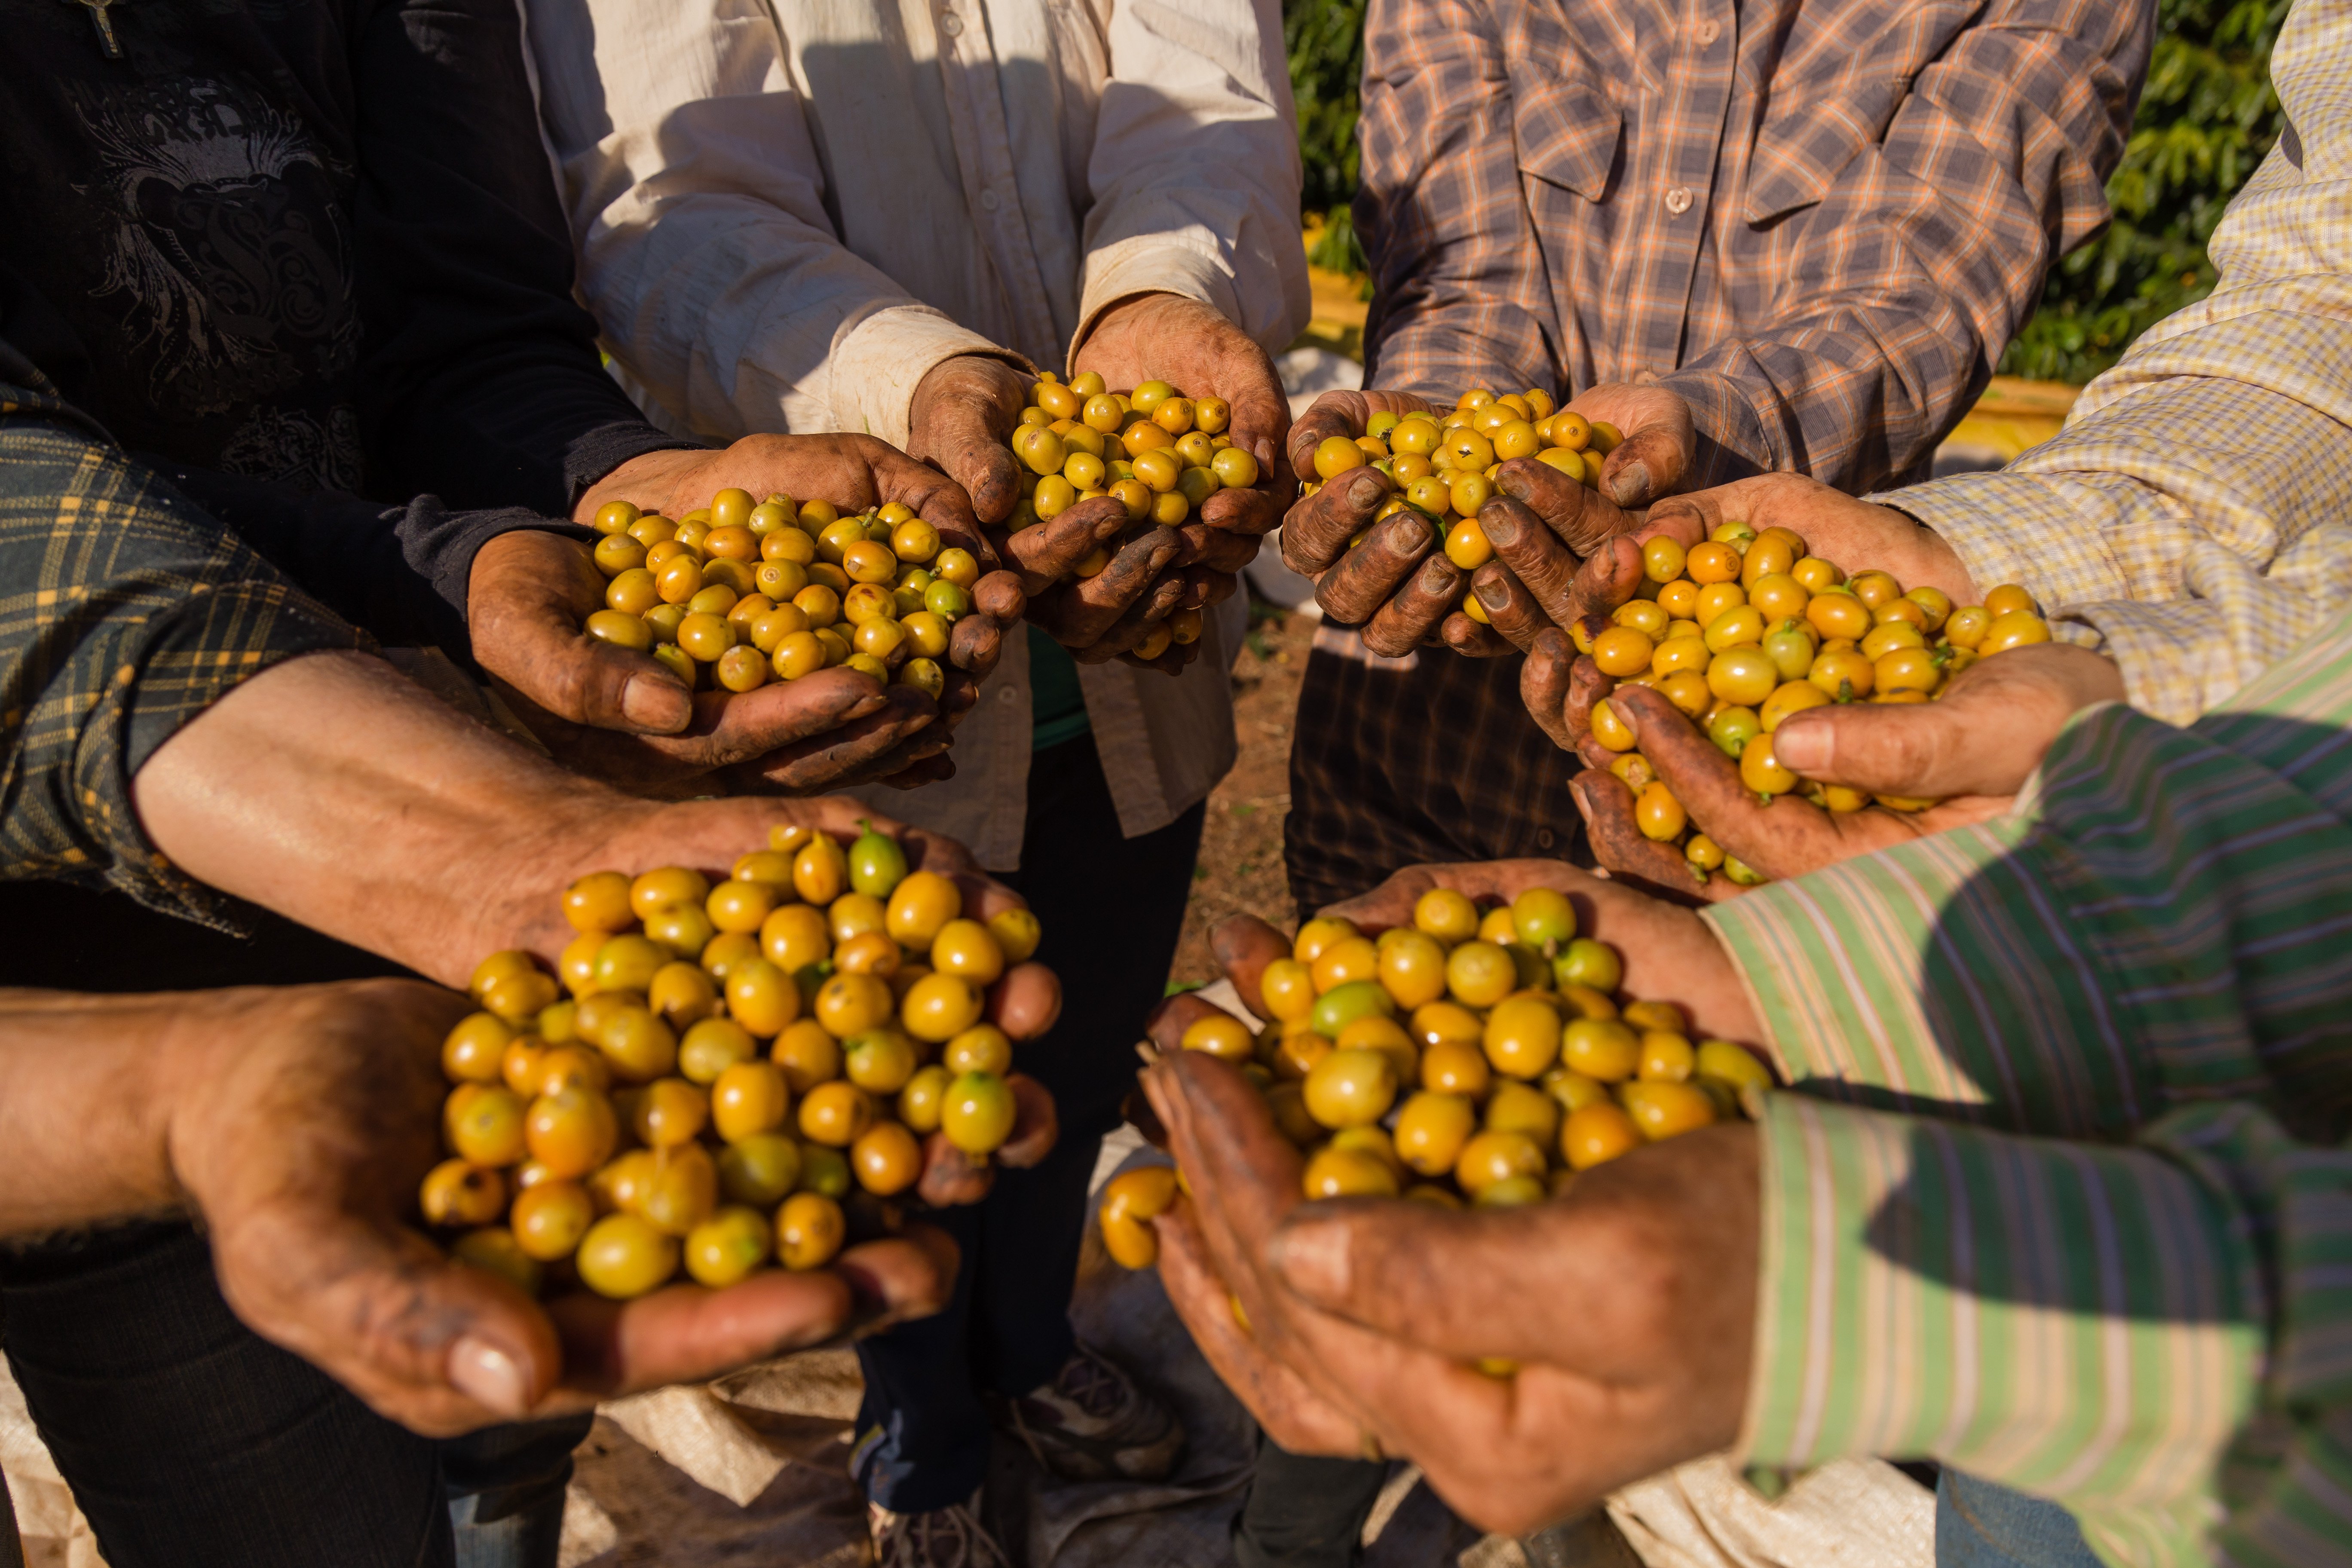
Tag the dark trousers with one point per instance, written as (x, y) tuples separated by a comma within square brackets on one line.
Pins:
[(1390, 768), (1112, 908), (189, 1440)]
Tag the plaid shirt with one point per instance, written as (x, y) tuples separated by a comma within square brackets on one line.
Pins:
[(1821, 223), (2189, 520), (124, 613), (2067, 1201)]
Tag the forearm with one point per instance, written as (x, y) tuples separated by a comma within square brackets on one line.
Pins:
[(84, 1106), (336, 792), (2083, 1321)]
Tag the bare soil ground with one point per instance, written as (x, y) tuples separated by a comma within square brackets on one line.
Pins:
[(1239, 869)]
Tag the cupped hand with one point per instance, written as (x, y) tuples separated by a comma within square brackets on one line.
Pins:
[(300, 1122), (1166, 337), (1560, 687), (626, 717), (1970, 751), (1354, 1328), (1552, 535)]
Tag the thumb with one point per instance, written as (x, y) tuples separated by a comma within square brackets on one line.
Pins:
[(437, 1344), (1450, 1283), (964, 437), (1244, 945), (1650, 462), (1912, 749), (552, 664)]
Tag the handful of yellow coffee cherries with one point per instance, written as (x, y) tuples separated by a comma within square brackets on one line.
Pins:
[(736, 595), (1444, 465), (1746, 628), (728, 1061), (1478, 1056), (1159, 453)]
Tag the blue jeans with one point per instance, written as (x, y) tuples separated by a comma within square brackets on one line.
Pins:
[(923, 1429), (1980, 1525)]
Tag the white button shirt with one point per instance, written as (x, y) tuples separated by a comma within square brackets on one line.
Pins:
[(789, 211)]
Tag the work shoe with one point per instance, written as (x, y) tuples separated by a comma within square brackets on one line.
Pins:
[(950, 1537), (1091, 1423)]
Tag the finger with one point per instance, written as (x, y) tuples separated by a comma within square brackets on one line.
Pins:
[(1036, 1123), (1157, 604), (932, 770), (1369, 574), (974, 643), (1473, 639), (1165, 1025), (1618, 843), (1586, 686), (1462, 1285), (1080, 613), (1786, 837), (1025, 1001), (1578, 516), (1652, 461), (1531, 553), (423, 1339), (1316, 532), (527, 599), (1544, 681), (951, 1178), (1511, 610), (1412, 615), (1251, 512), (966, 436), (852, 753), (688, 1333), (1044, 553), (901, 1277), (1333, 414), (1244, 945), (1609, 577), (998, 594), (742, 725), (1221, 552), (1293, 1415)]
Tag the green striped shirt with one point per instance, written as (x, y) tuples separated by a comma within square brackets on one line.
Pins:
[(2065, 1200)]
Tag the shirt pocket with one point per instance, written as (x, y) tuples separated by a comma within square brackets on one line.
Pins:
[(1567, 132), (1835, 96)]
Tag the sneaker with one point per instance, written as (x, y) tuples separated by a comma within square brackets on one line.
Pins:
[(940, 1538), (1091, 1423)]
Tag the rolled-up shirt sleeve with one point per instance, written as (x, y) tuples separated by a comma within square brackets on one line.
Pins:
[(2064, 1200), (125, 611), (2189, 519), (1195, 170)]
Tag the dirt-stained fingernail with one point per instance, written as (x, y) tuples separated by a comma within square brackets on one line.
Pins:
[(1584, 806), (1630, 485), (1367, 487), (488, 1376), (1492, 592), (1806, 748), (659, 705), (1312, 1256)]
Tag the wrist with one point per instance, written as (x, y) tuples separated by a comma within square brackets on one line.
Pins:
[(102, 1056)]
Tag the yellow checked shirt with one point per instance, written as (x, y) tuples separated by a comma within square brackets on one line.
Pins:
[(2194, 519)]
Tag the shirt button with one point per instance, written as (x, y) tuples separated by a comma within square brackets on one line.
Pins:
[(1678, 200), (1006, 694), (988, 200), (1543, 838), (1707, 33), (950, 23)]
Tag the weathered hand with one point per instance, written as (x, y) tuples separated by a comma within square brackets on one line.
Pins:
[(300, 1121), (1970, 751)]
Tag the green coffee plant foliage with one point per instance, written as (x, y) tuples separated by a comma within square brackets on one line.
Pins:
[(1326, 42), (2207, 118)]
